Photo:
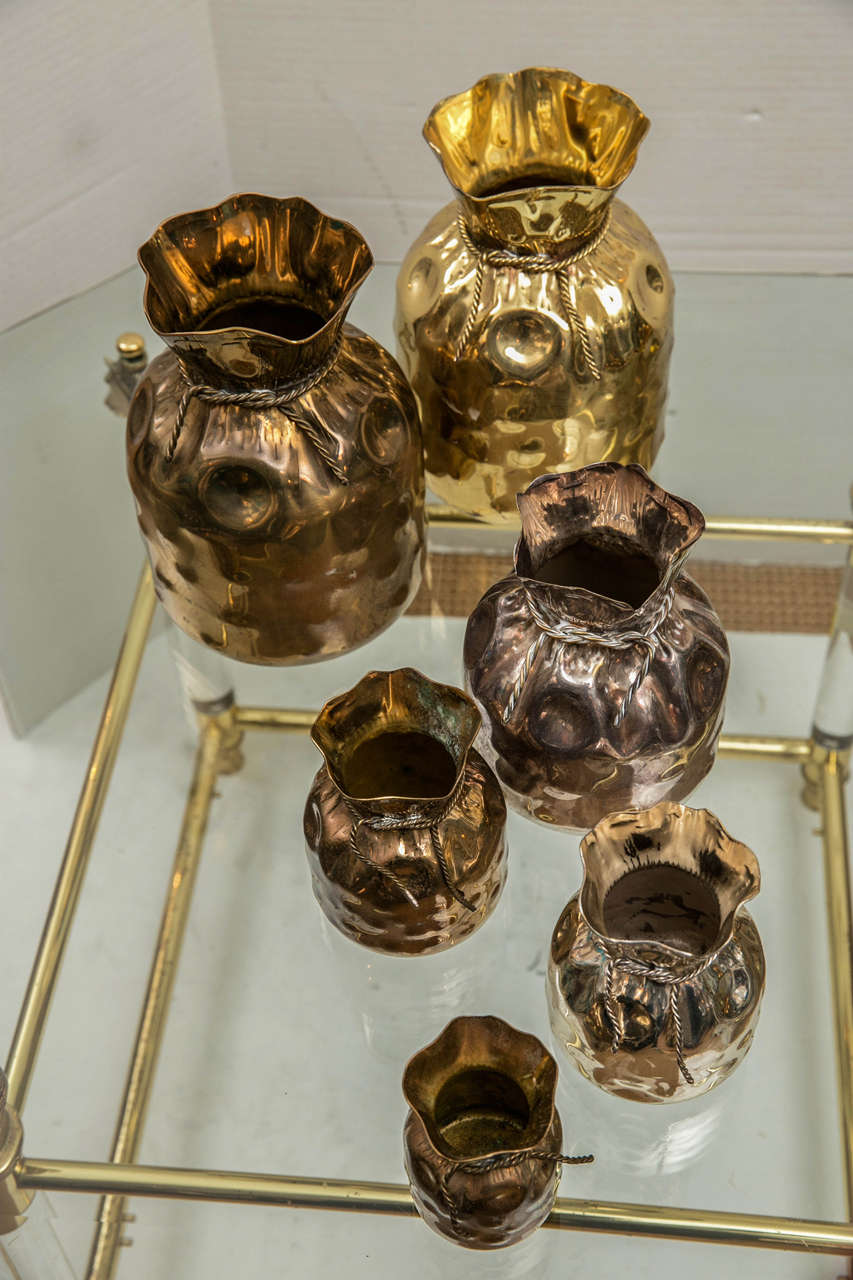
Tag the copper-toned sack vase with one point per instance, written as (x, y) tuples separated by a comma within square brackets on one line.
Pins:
[(656, 971), (483, 1139), (534, 312), (599, 666), (404, 824), (274, 451)]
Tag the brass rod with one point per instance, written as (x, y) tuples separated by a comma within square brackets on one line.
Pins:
[(48, 960), (273, 718), (764, 747), (837, 882), (702, 1225), (828, 531), (155, 1009), (757, 746)]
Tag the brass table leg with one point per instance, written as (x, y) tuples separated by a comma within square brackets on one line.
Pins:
[(215, 731), (837, 879), (33, 1016)]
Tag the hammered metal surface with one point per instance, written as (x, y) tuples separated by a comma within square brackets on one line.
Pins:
[(719, 1006), (259, 548), (517, 398), (481, 1210), (468, 820), (560, 756)]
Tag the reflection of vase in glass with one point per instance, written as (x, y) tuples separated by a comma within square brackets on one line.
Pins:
[(599, 666), (404, 824), (534, 313), (657, 971), (483, 1138), (274, 451)]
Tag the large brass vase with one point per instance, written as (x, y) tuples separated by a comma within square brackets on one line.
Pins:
[(274, 451), (404, 823), (599, 666), (534, 312), (656, 971)]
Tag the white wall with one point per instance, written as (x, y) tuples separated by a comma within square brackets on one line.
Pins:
[(112, 119), (747, 166)]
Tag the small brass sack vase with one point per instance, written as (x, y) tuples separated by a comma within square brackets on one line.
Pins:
[(534, 312), (599, 666), (483, 1138), (404, 823), (656, 971), (274, 451)]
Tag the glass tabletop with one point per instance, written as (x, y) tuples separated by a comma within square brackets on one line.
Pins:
[(286, 1042)]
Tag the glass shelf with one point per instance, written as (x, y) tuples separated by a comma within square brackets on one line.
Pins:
[(285, 1042)]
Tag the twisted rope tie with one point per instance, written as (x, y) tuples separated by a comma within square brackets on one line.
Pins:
[(507, 1160), (392, 822), (533, 264), (665, 978), (567, 632), (261, 398)]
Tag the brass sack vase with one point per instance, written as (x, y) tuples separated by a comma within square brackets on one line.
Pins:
[(482, 1139), (656, 972), (274, 451), (404, 823), (599, 666), (534, 312)]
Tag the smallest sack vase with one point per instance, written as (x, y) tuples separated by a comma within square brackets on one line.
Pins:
[(483, 1137), (404, 823), (656, 972)]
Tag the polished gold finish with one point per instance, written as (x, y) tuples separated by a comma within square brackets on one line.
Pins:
[(836, 864), (51, 949), (483, 1139), (274, 451), (404, 823), (739, 746), (599, 667), (152, 1023), (14, 1199), (534, 313), (830, 532), (273, 718), (703, 1226), (131, 346), (656, 972)]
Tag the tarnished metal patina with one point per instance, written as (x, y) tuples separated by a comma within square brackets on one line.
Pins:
[(482, 1141), (404, 823), (656, 971), (599, 666), (534, 312), (274, 451)]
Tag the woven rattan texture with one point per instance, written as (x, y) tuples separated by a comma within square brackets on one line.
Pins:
[(768, 597)]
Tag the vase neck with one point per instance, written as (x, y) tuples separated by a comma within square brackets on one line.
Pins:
[(555, 220), (228, 354)]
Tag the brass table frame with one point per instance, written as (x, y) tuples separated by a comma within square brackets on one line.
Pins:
[(825, 769)]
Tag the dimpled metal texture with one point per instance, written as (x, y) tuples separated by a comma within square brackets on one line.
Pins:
[(482, 1089), (560, 754), (280, 533), (395, 897), (718, 1007), (494, 352)]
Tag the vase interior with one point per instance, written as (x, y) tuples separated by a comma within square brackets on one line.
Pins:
[(665, 905), (278, 316), (605, 564), (399, 760), (480, 1110)]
